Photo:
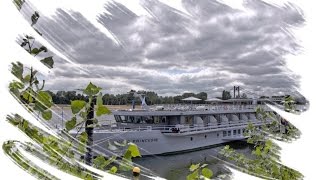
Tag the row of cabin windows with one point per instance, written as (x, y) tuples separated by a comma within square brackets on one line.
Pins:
[(153, 119), (235, 132), (141, 119)]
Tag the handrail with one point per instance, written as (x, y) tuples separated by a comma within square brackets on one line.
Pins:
[(194, 107), (186, 128)]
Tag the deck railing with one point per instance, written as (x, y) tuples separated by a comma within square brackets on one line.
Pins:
[(189, 128), (205, 107)]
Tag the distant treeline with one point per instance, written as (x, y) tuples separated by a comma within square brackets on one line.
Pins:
[(65, 97)]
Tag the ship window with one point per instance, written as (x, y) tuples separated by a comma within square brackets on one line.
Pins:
[(138, 119), (131, 119), (234, 132), (239, 131), (117, 118), (156, 119), (217, 134), (191, 138), (229, 133), (224, 133), (205, 136)]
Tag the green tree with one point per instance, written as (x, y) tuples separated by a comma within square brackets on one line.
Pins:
[(244, 96), (226, 95)]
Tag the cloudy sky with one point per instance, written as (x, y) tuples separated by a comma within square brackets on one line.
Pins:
[(200, 46)]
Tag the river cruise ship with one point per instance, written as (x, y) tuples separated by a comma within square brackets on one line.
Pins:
[(166, 129)]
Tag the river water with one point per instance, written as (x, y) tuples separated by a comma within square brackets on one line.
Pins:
[(173, 167), (176, 166)]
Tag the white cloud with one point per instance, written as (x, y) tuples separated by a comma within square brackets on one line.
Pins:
[(206, 45)]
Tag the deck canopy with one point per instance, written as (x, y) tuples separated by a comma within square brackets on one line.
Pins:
[(191, 99), (213, 100)]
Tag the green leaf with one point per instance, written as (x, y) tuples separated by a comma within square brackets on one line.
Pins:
[(43, 101), (257, 152), (268, 144), (43, 48), (77, 105), (18, 3), (127, 155), (194, 167), (99, 162), (33, 133), (48, 61), (194, 175), (275, 170), (27, 96), (101, 110), (13, 121), (99, 100), (91, 89), (110, 160), (88, 177), (25, 125), (27, 78), (35, 51), (82, 148), (133, 148), (14, 88), (47, 114), (71, 124), (17, 70), (16, 85), (83, 137), (113, 170), (207, 173)]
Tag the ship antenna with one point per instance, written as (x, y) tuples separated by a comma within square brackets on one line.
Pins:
[(143, 100)]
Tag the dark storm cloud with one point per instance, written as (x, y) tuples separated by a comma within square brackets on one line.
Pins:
[(209, 49)]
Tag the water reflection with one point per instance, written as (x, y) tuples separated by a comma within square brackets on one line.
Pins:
[(176, 167)]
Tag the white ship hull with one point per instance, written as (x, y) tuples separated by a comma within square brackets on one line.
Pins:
[(156, 142)]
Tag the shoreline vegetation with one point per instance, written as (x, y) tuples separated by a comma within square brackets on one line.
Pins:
[(152, 98), (110, 107)]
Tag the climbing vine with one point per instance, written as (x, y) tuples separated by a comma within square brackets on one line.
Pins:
[(66, 150), (265, 162)]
